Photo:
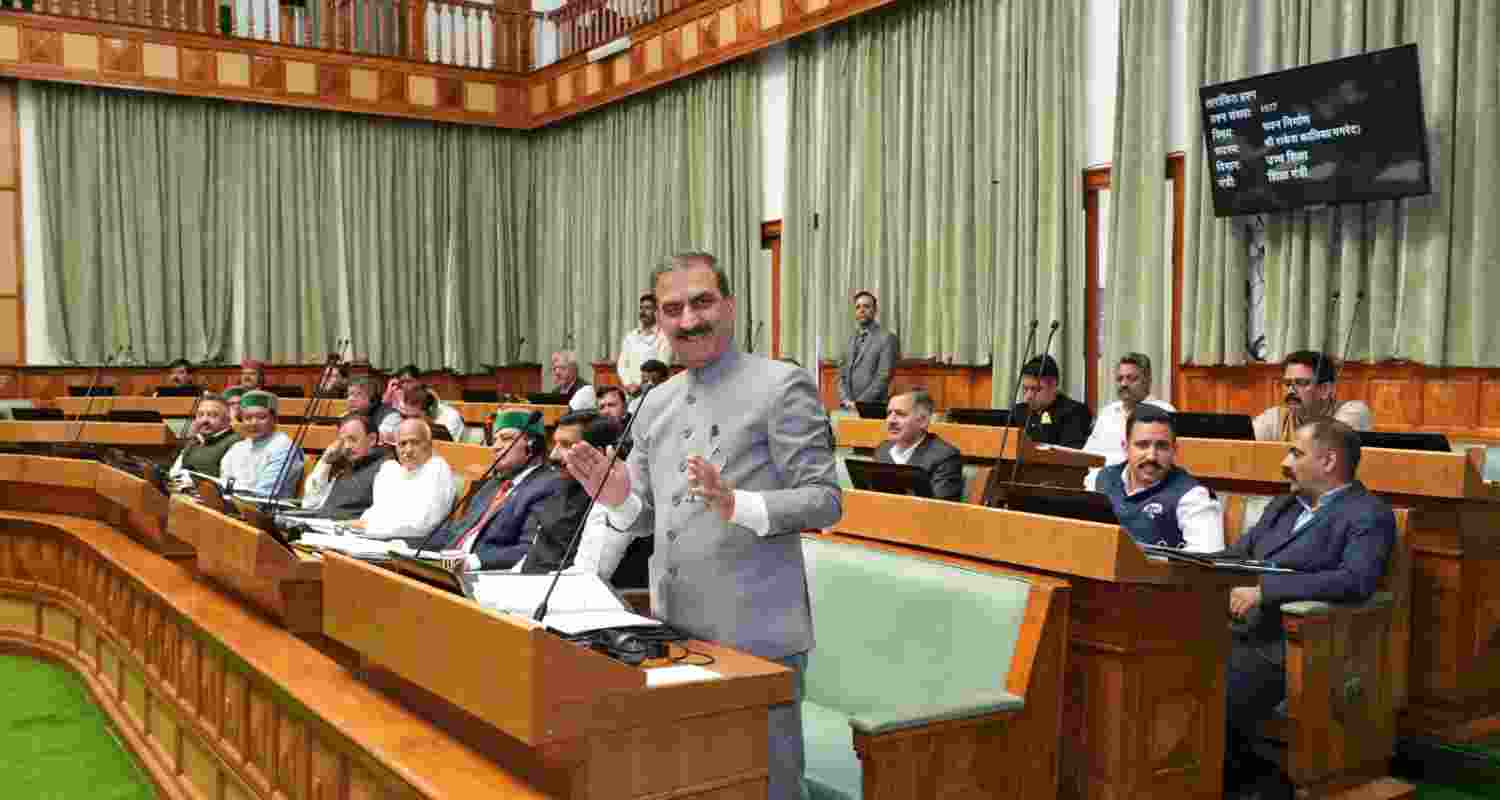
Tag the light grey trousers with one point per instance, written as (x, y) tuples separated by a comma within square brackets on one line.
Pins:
[(785, 728)]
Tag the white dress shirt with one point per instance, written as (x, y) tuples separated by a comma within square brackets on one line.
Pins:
[(318, 486), (448, 417), (583, 399), (256, 464), (639, 347), (901, 455), (410, 503), (1108, 436), (1200, 517)]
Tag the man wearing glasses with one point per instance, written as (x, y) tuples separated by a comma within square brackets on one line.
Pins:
[(1308, 381)]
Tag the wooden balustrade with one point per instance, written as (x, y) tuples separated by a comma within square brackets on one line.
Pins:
[(493, 35), (586, 24)]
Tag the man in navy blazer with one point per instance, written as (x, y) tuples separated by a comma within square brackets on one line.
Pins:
[(500, 522), (1337, 536)]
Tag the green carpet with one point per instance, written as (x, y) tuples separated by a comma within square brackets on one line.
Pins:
[(55, 744)]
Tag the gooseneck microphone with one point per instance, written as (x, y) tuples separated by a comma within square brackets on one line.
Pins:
[(541, 610), (536, 416), (88, 405), (308, 414), (1015, 466), (1015, 398)]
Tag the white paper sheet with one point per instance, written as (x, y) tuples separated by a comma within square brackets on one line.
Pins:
[(679, 673)]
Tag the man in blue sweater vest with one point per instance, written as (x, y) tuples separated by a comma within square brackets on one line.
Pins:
[(1337, 536), (1157, 501)]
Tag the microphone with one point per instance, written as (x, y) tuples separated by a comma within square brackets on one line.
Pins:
[(88, 405), (308, 415), (1359, 300), (515, 352), (187, 433), (755, 336), (541, 610), (1015, 398), (534, 418), (1015, 466)]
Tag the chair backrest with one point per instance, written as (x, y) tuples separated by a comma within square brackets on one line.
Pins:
[(899, 630)]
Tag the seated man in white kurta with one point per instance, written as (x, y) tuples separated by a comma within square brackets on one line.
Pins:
[(412, 493), (259, 463)]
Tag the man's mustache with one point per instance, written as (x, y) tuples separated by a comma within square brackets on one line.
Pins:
[(690, 333), (1293, 400)]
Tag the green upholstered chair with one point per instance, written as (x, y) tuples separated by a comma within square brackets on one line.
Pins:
[(902, 642)]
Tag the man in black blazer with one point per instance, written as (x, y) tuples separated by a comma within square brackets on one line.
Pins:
[(909, 442), (1337, 536)]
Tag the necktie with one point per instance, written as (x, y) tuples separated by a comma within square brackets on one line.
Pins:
[(466, 541)]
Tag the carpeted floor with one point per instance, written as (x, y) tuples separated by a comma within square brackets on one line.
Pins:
[(55, 744)]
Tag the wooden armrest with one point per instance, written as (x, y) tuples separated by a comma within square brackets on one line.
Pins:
[(1318, 608), (973, 704)]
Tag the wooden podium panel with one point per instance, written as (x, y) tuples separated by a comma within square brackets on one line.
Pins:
[(283, 584), (580, 724), (1453, 670), (92, 490), (1148, 640)]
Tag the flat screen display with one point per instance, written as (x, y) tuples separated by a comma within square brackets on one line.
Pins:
[(1343, 131)]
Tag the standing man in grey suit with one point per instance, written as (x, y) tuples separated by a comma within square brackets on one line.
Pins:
[(865, 374), (731, 462), (908, 441)]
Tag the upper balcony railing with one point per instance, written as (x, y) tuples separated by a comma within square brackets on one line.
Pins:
[(582, 25), (465, 33)]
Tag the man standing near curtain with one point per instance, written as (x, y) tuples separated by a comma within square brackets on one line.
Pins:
[(642, 344), (865, 374), (732, 462)]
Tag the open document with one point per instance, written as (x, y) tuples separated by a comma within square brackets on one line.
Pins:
[(581, 603), (326, 534)]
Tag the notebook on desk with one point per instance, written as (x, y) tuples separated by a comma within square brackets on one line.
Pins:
[(871, 410), (97, 391), (36, 414), (177, 391), (144, 415), (1220, 560), (481, 396)]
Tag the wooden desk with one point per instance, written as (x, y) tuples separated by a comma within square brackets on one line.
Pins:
[(588, 726), (284, 585), (90, 490), (119, 434), (1148, 641), (1452, 688), (1040, 464), (222, 702), (213, 700), (478, 413), (183, 406)]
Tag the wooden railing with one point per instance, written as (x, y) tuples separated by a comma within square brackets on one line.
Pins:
[(467, 33), (585, 24)]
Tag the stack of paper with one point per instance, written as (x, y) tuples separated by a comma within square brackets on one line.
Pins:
[(582, 602)]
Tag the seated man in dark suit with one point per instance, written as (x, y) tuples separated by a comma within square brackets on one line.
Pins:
[(501, 520), (1050, 416), (1337, 536), (909, 442)]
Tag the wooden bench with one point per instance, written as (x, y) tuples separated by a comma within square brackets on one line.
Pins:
[(1343, 664), (932, 677)]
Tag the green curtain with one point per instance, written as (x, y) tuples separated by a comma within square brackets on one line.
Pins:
[(935, 158), (162, 217), (1426, 265), (127, 213), (619, 189), (1138, 299)]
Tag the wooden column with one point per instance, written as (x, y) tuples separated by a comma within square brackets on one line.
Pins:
[(12, 302)]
